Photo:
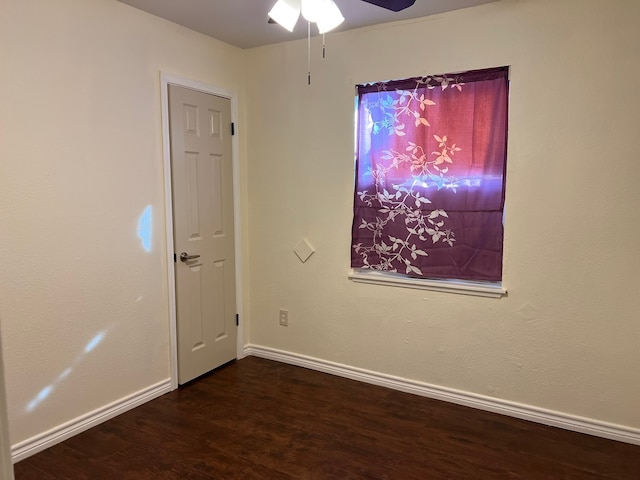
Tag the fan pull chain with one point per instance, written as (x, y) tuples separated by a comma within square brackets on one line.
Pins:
[(323, 47), (309, 53)]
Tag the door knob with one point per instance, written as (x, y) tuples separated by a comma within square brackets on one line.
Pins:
[(184, 257)]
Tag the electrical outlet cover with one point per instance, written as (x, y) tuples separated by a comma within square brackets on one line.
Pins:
[(303, 250)]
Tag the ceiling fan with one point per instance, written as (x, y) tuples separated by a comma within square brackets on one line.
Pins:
[(325, 13), (393, 5)]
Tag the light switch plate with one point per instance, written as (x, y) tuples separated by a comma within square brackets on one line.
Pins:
[(303, 250)]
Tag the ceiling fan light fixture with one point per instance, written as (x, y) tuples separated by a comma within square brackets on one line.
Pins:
[(325, 13), (330, 17), (312, 9), (286, 13)]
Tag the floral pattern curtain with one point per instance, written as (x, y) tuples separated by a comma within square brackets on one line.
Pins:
[(430, 175)]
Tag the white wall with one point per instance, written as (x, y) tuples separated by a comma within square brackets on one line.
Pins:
[(81, 159), (566, 337)]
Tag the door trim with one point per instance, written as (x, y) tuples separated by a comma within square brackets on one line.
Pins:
[(166, 80)]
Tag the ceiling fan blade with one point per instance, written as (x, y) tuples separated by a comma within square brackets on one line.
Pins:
[(393, 5)]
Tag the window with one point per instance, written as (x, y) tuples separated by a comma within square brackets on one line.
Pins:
[(430, 176)]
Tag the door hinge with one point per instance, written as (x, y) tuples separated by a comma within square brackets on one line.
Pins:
[(237, 320), (233, 128)]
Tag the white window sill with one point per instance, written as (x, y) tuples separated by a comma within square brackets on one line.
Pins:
[(479, 289)]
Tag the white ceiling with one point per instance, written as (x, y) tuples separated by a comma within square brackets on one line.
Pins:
[(243, 23)]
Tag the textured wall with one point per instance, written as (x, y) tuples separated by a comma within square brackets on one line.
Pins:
[(81, 155), (566, 337)]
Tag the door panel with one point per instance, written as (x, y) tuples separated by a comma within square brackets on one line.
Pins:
[(202, 181)]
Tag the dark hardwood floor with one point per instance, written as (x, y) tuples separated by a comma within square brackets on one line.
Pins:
[(258, 419)]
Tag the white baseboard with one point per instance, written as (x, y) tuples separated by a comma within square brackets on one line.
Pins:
[(526, 412), (40, 442), (574, 423)]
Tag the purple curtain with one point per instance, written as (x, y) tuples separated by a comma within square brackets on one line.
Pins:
[(430, 165)]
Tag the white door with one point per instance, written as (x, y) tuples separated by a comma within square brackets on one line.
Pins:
[(202, 185)]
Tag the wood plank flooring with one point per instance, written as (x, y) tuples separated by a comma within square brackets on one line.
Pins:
[(258, 419)]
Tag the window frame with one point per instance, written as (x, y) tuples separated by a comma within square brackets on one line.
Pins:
[(487, 289), (461, 287)]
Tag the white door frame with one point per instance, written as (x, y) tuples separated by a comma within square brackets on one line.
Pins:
[(166, 80), (6, 462)]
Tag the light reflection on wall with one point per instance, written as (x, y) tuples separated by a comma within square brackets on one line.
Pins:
[(144, 228), (46, 391), (144, 231), (94, 342)]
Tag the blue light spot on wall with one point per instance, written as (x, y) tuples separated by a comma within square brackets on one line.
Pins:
[(144, 228), (44, 393), (94, 342)]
